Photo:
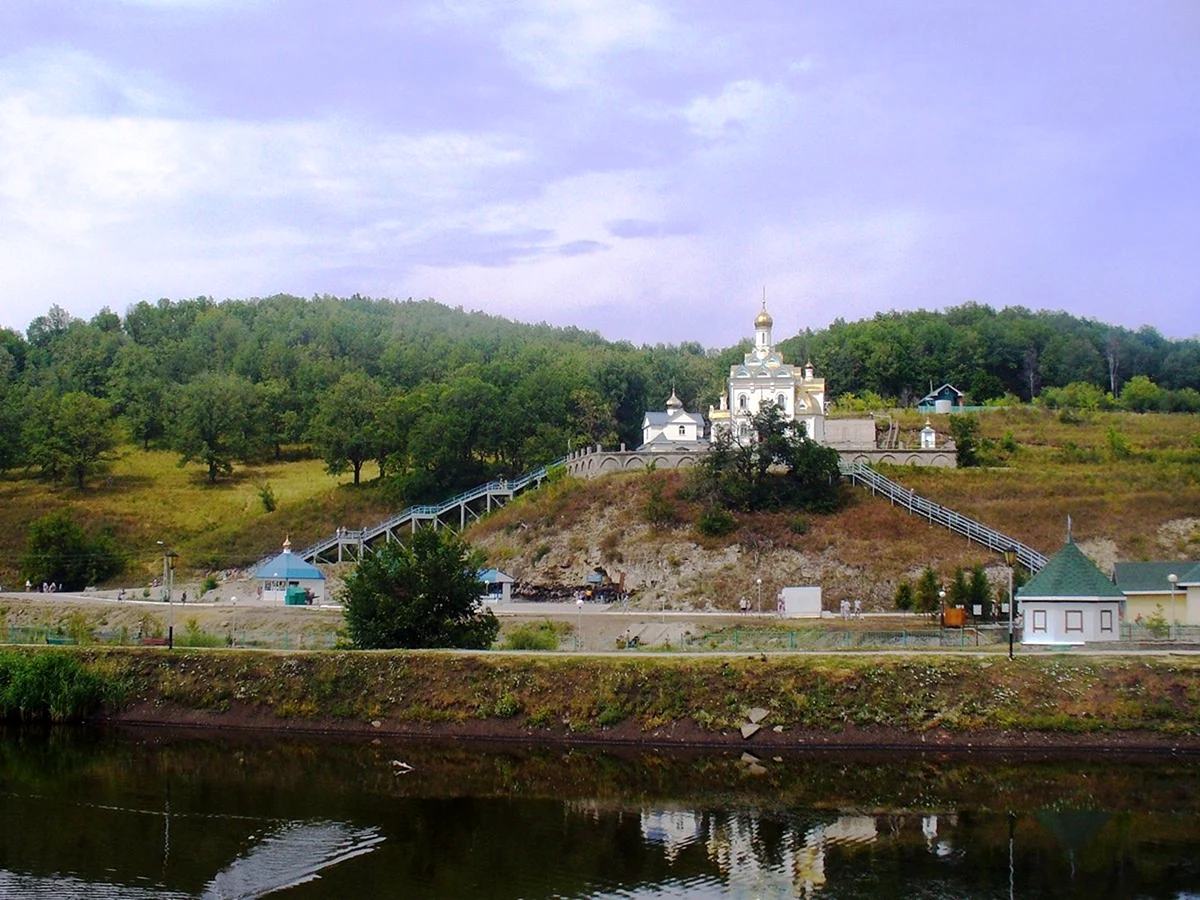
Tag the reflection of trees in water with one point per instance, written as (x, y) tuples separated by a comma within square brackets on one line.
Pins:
[(288, 855)]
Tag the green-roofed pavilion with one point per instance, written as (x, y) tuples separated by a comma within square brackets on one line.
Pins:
[(1070, 601), (1070, 573)]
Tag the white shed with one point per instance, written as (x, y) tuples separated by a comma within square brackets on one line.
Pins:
[(800, 602)]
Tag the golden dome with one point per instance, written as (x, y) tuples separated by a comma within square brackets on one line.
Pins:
[(763, 319)]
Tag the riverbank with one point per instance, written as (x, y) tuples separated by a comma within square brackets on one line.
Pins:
[(756, 701)]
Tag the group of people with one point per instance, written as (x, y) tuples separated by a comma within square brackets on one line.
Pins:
[(851, 612), (46, 588)]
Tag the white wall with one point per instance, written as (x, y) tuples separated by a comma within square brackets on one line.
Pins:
[(1069, 621)]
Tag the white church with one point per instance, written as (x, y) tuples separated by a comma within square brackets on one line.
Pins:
[(763, 377)]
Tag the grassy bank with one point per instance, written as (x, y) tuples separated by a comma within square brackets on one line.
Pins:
[(896, 698)]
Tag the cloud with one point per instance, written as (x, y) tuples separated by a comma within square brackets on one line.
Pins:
[(66, 167), (581, 248), (565, 45), (643, 228), (740, 107)]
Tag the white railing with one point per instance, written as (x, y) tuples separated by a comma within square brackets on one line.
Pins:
[(935, 513), (503, 488)]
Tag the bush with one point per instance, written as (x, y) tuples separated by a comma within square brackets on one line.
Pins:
[(58, 550), (799, 525), (716, 521), (209, 584), (542, 636), (194, 636), (658, 511)]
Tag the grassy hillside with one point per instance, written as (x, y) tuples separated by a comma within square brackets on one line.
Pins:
[(149, 498), (1131, 484)]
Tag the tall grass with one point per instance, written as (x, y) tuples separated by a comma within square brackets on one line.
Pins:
[(51, 686)]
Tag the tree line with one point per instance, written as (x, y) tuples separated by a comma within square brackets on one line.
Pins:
[(430, 398)]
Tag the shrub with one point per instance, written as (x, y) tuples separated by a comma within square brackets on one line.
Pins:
[(799, 525), (209, 584), (506, 707), (194, 636), (1118, 445), (542, 636), (658, 510), (716, 521), (609, 545), (267, 496)]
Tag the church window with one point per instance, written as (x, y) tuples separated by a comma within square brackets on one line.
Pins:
[(682, 431), (781, 401), (744, 431), (742, 401)]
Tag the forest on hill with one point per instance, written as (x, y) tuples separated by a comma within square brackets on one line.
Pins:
[(431, 398)]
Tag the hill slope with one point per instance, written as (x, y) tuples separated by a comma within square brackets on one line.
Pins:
[(1130, 482), (1141, 500)]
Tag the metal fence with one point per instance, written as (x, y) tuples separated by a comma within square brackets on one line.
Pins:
[(821, 639), (282, 640)]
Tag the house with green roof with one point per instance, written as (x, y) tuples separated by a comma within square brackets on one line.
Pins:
[(1148, 587), (1070, 601)]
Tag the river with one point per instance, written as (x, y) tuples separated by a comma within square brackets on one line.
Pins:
[(165, 814)]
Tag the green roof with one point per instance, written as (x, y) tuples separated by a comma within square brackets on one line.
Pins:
[(1191, 576), (1069, 573), (1151, 577)]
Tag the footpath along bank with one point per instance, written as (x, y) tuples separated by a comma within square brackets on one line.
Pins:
[(866, 700)]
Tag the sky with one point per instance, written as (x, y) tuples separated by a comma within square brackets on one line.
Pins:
[(646, 169)]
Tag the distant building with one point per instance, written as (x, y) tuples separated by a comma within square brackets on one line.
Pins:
[(289, 571), (763, 377), (1069, 601), (673, 429), (945, 399), (1146, 586), (497, 585)]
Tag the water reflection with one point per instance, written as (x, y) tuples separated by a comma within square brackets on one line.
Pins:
[(137, 815)]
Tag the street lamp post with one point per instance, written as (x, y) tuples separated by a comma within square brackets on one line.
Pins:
[(1174, 579), (233, 623), (758, 583), (1010, 559), (168, 587), (579, 627)]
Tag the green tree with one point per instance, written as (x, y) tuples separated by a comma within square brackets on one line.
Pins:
[(960, 590), (980, 591), (138, 390), (346, 428), (965, 431), (1140, 394), (215, 423), (781, 467), (905, 600), (927, 597), (58, 550), (423, 593), (72, 437)]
